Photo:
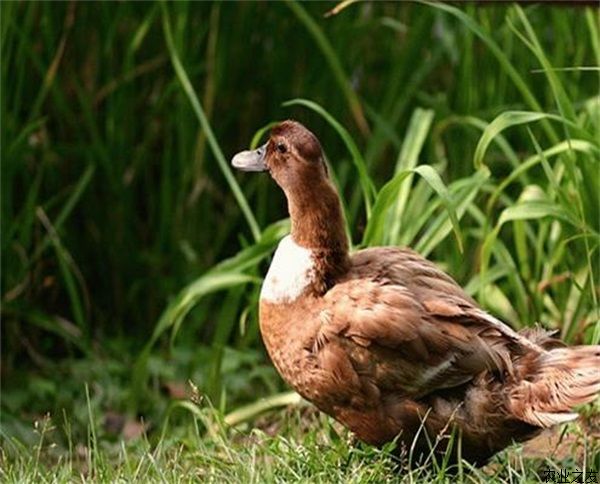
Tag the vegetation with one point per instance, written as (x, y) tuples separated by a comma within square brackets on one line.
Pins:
[(132, 256)]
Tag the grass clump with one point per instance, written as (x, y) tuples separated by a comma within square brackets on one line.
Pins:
[(132, 257), (295, 445)]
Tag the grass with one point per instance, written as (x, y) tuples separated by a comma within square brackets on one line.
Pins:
[(132, 256), (297, 445)]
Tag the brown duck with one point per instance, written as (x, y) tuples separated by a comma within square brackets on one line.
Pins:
[(388, 344)]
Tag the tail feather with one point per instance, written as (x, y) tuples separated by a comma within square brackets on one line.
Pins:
[(554, 382)]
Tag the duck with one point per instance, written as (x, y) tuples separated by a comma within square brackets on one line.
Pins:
[(389, 345)]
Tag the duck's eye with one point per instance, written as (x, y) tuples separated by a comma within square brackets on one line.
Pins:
[(281, 148)]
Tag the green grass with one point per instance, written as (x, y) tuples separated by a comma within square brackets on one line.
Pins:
[(297, 445), (132, 256)]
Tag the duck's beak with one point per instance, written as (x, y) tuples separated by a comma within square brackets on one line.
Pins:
[(251, 160)]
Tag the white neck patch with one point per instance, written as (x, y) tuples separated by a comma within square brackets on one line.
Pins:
[(290, 273)]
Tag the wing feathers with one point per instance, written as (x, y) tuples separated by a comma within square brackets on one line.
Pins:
[(415, 320)]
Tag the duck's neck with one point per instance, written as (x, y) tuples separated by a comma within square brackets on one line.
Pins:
[(318, 225)]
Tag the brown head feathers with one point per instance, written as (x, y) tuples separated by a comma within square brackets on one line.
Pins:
[(297, 137)]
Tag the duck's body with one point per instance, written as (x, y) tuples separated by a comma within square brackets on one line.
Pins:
[(388, 344)]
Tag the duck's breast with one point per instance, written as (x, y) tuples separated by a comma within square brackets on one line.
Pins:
[(290, 274)]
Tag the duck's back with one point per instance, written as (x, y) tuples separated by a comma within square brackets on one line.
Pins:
[(414, 327), (395, 265)]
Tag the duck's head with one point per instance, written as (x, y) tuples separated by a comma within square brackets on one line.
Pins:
[(293, 157)]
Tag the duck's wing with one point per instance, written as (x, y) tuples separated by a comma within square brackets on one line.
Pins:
[(408, 327)]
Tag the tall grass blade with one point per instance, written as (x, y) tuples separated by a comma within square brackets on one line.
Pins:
[(418, 128), (250, 256), (594, 32), (564, 104), (582, 146), (463, 192), (504, 121), (477, 123), (68, 269), (226, 275), (375, 230), (366, 184), (504, 61), (536, 209), (67, 209), (175, 313), (212, 141), (253, 410), (334, 63), (528, 209), (260, 133)]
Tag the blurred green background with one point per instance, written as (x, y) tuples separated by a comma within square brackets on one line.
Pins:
[(128, 264)]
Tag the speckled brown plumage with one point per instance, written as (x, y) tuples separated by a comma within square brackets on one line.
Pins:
[(389, 345)]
